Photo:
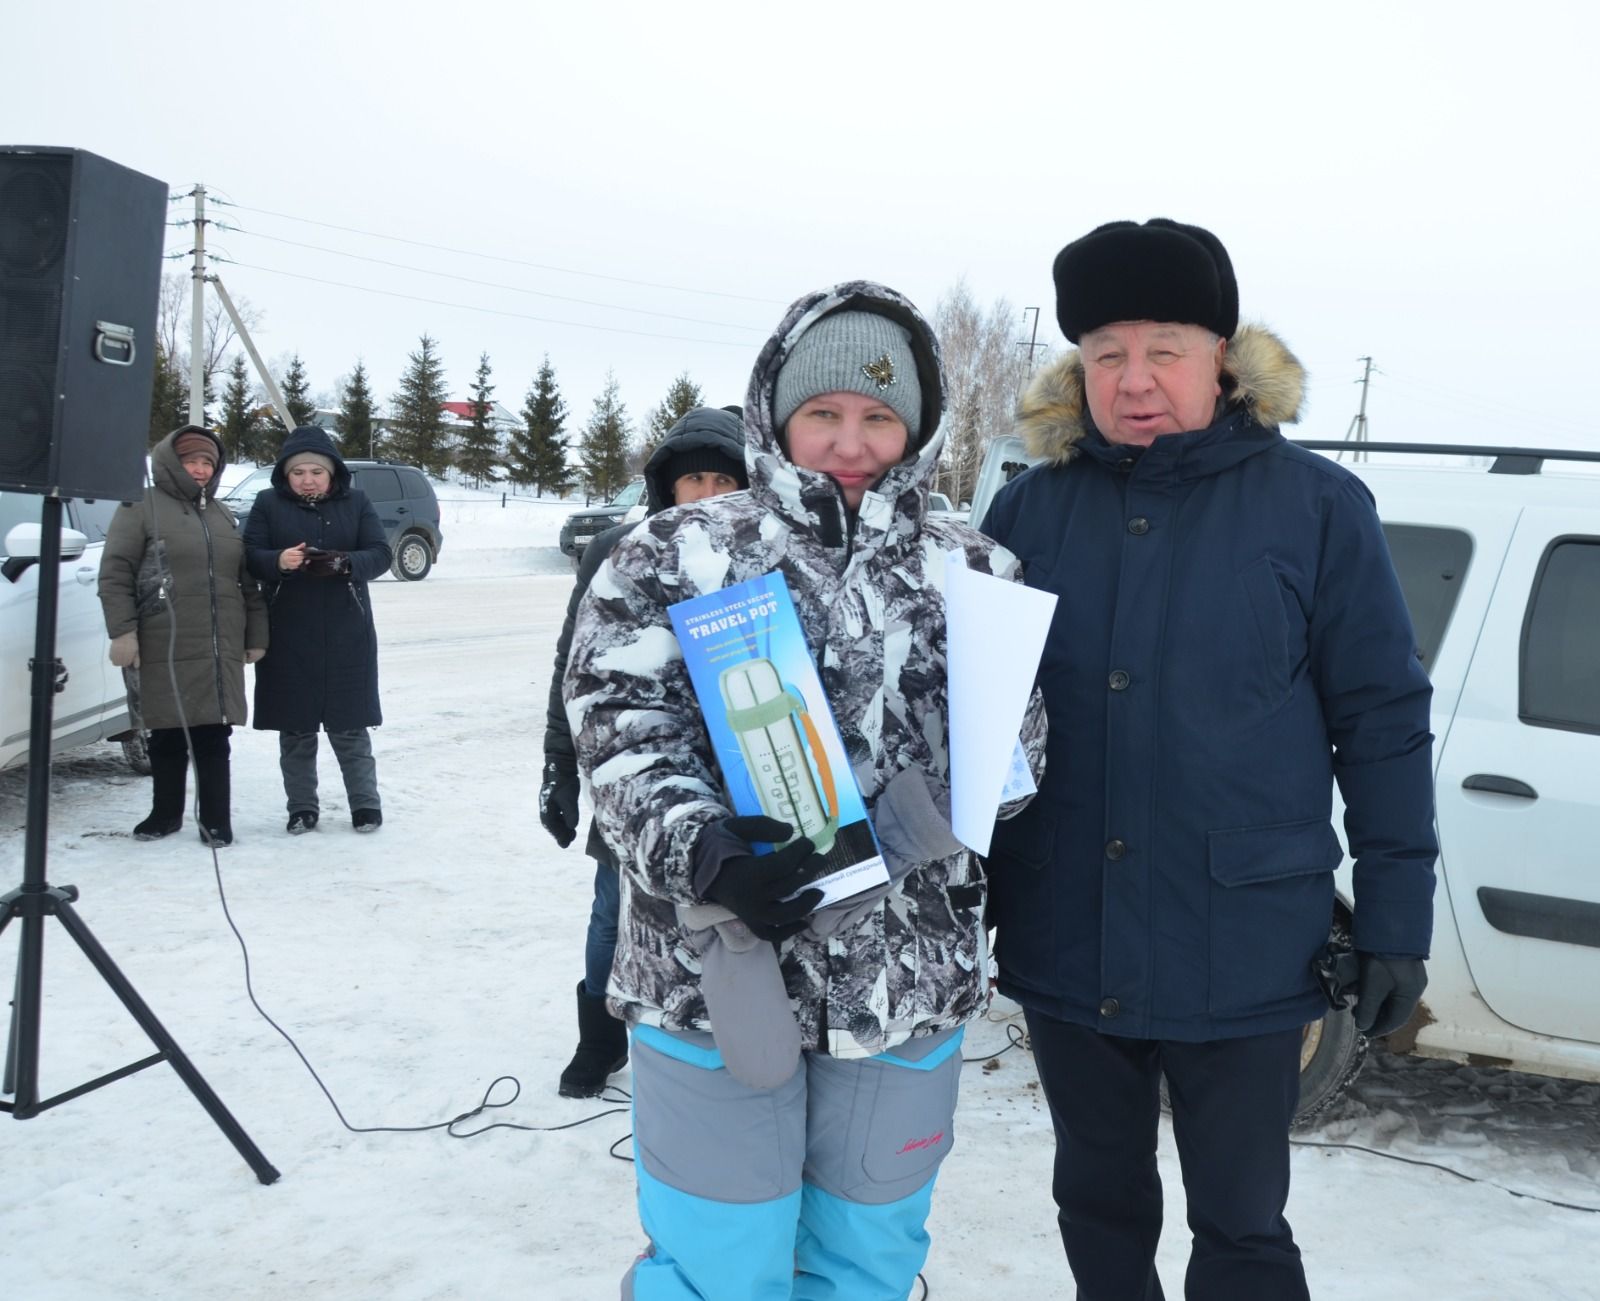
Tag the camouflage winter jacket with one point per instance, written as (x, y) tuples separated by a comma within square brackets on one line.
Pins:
[(868, 591)]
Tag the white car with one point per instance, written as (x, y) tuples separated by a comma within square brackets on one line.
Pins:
[(92, 704), (1501, 572)]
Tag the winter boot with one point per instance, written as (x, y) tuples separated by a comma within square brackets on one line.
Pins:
[(602, 1049), (302, 821), (213, 783), (169, 772), (367, 820)]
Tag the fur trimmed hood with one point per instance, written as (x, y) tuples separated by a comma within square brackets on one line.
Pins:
[(1258, 372)]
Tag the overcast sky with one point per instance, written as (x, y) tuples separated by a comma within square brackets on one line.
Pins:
[(644, 187)]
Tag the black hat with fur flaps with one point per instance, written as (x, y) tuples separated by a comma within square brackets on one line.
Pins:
[(1159, 271)]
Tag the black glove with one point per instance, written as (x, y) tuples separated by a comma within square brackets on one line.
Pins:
[(558, 801), (326, 564), (1390, 989), (755, 888)]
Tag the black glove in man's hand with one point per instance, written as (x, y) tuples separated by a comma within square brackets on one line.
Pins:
[(755, 887), (558, 801), (1389, 991), (326, 564)]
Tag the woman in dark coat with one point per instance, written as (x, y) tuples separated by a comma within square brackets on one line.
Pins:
[(314, 542), (178, 600)]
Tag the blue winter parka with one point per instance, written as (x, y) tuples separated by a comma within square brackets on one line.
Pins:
[(326, 671), (1229, 640)]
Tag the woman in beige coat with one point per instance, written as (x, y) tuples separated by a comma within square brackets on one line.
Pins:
[(181, 606)]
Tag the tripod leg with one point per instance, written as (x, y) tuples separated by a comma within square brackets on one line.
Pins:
[(141, 1013), (22, 1045), (8, 1085)]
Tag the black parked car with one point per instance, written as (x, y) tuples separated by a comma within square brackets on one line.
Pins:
[(582, 525), (402, 496)]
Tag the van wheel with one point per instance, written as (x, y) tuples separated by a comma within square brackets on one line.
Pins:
[(137, 753), (1332, 1053), (413, 558)]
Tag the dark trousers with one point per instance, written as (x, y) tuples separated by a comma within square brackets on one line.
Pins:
[(169, 762), (1232, 1103), (600, 941)]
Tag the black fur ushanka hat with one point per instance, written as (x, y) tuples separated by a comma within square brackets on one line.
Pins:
[(1159, 271)]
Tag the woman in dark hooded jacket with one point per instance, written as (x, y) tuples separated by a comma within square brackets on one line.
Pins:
[(179, 601), (315, 542)]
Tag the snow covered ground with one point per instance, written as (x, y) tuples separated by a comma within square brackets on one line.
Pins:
[(415, 966)]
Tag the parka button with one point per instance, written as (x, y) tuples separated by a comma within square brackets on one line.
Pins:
[(1109, 1007), (1115, 849), (1118, 681), (1138, 524)]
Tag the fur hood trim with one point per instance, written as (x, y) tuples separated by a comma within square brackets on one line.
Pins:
[(1258, 371)]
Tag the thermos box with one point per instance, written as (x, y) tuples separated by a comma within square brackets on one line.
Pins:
[(771, 728)]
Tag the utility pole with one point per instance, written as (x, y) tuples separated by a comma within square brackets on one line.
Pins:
[(197, 327), (1357, 433), (197, 315), (1033, 343)]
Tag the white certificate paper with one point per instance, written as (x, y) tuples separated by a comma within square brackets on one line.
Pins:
[(995, 632)]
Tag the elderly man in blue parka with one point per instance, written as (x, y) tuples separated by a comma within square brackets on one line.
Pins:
[(1228, 642)]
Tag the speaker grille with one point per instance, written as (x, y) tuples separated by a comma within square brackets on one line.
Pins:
[(33, 215), (34, 218)]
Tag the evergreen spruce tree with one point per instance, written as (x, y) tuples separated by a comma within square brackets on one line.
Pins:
[(234, 424), (264, 435), (682, 398), (169, 397), (296, 393), (416, 422), (480, 442), (604, 450), (539, 448), (355, 415)]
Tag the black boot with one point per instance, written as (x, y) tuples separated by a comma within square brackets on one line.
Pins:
[(213, 785), (602, 1049), (169, 772)]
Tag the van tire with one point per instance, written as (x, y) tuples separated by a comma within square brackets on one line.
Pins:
[(137, 753), (413, 558), (1332, 1051)]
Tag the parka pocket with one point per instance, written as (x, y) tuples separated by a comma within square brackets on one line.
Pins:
[(1265, 595), (1271, 905)]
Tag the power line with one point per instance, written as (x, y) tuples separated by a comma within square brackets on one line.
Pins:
[(494, 257), (1402, 388), (486, 284), (1477, 400), (491, 311)]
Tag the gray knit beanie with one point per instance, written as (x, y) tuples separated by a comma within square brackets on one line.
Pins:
[(852, 352), (309, 458)]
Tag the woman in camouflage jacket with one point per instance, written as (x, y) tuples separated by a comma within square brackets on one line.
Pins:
[(765, 1039)]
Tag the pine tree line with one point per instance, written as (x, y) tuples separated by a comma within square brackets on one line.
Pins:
[(544, 454)]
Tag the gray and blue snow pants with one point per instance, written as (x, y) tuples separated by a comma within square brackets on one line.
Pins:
[(818, 1188)]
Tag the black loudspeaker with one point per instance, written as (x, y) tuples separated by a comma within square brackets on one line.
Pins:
[(80, 274)]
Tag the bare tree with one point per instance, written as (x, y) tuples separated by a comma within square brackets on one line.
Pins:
[(985, 368), (173, 326)]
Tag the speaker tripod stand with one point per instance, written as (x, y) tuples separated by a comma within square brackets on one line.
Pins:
[(35, 900)]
